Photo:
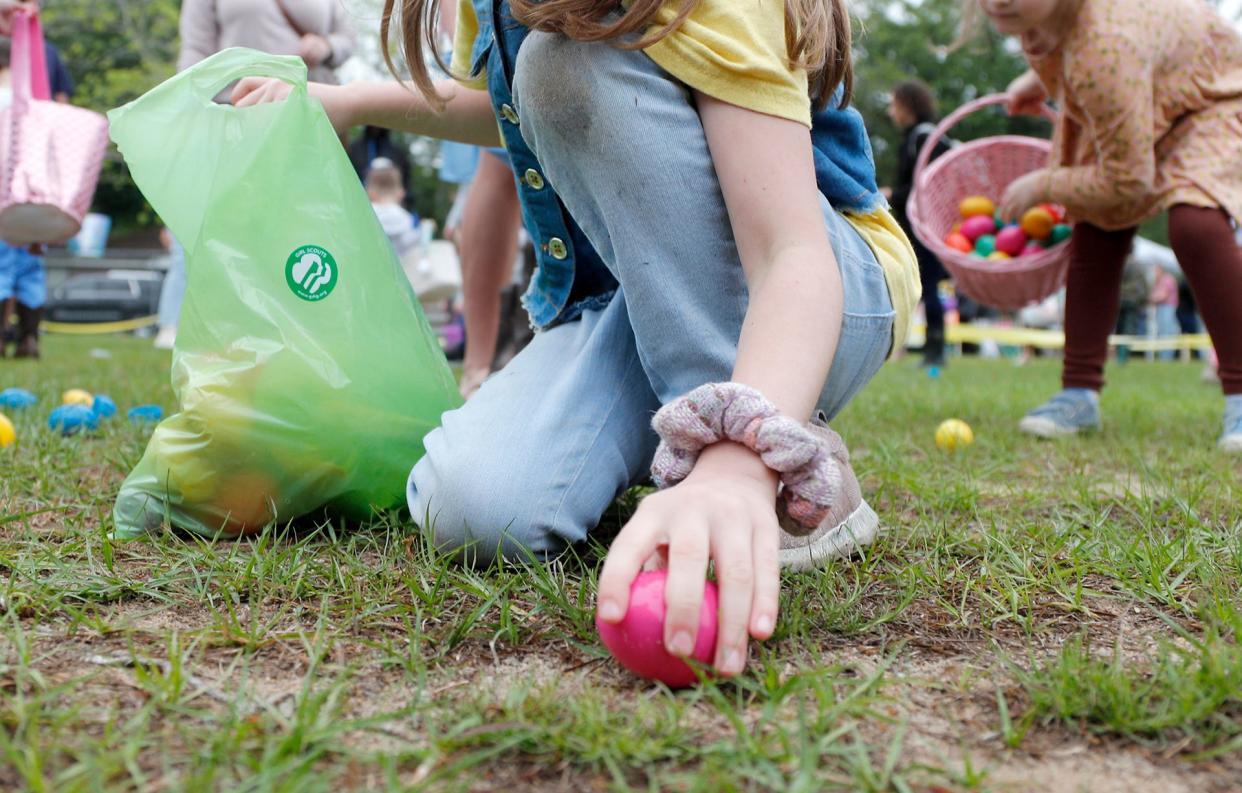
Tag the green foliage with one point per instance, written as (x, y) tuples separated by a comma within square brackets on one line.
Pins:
[(898, 40), (115, 51)]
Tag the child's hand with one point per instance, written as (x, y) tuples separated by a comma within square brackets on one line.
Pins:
[(261, 90), (314, 49), (725, 512), (1023, 193), (1026, 95)]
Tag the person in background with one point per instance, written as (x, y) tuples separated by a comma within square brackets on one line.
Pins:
[(386, 189), (23, 285), (485, 224), (487, 240), (315, 30), (1151, 101), (1134, 290), (912, 108), (1163, 298), (59, 80), (376, 143)]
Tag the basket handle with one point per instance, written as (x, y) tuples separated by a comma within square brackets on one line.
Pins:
[(951, 121)]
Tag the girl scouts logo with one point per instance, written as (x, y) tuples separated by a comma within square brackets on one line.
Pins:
[(310, 272)]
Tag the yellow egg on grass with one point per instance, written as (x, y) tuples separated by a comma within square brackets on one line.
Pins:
[(8, 435), (76, 396), (954, 434)]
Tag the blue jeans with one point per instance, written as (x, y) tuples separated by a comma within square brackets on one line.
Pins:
[(534, 459), (22, 276), (172, 292), (1167, 327)]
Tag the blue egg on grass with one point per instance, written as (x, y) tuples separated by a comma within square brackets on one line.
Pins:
[(144, 413), (71, 419), (17, 398), (103, 406)]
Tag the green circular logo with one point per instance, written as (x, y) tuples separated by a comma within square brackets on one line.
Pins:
[(310, 272)]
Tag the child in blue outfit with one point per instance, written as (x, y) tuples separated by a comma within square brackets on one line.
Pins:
[(712, 249), (23, 291)]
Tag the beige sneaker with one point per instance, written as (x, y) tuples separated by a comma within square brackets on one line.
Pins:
[(850, 525)]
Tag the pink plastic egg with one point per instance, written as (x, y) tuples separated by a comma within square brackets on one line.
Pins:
[(1032, 248), (637, 641), (975, 227), (1011, 240)]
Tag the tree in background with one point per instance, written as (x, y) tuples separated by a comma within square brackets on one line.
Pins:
[(897, 40), (116, 50)]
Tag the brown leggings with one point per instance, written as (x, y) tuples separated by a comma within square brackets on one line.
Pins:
[(1208, 253)]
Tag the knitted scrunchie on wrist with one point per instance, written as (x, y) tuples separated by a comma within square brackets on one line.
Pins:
[(734, 412)]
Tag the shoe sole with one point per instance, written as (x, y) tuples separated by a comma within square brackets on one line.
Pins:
[(1047, 428), (1231, 444), (858, 530)]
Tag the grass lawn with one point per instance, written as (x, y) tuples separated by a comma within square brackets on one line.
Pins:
[(1038, 616)]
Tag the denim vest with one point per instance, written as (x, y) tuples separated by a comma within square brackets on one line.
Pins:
[(844, 166), (571, 277)]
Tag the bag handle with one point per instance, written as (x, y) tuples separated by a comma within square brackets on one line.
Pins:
[(951, 120), (215, 73), (28, 58)]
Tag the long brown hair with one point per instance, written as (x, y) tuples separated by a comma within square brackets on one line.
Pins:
[(817, 34)]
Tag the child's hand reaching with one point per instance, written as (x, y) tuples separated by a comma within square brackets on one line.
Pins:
[(261, 90), (1023, 193), (725, 512), (1027, 95)]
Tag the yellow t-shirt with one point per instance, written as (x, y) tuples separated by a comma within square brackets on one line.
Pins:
[(741, 58)]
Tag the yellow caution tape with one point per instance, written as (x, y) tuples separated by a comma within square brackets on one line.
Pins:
[(93, 328), (1055, 339)]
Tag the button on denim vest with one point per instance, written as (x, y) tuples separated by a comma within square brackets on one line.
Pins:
[(571, 277)]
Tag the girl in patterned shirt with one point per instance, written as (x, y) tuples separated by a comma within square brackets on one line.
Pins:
[(1150, 95)]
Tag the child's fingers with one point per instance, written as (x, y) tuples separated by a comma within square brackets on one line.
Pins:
[(735, 576), (243, 92), (633, 546), (258, 90), (767, 576), (683, 591)]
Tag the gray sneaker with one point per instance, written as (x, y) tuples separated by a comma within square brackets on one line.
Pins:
[(850, 525), (1231, 438), (1068, 413)]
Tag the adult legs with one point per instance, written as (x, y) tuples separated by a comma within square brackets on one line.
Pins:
[(488, 246)]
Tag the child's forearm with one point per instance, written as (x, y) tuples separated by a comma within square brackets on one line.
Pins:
[(467, 115), (789, 337), (792, 327), (767, 178)]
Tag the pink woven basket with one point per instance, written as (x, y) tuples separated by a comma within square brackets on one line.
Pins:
[(982, 167)]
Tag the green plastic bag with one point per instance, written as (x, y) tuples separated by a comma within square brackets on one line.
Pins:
[(305, 370)]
